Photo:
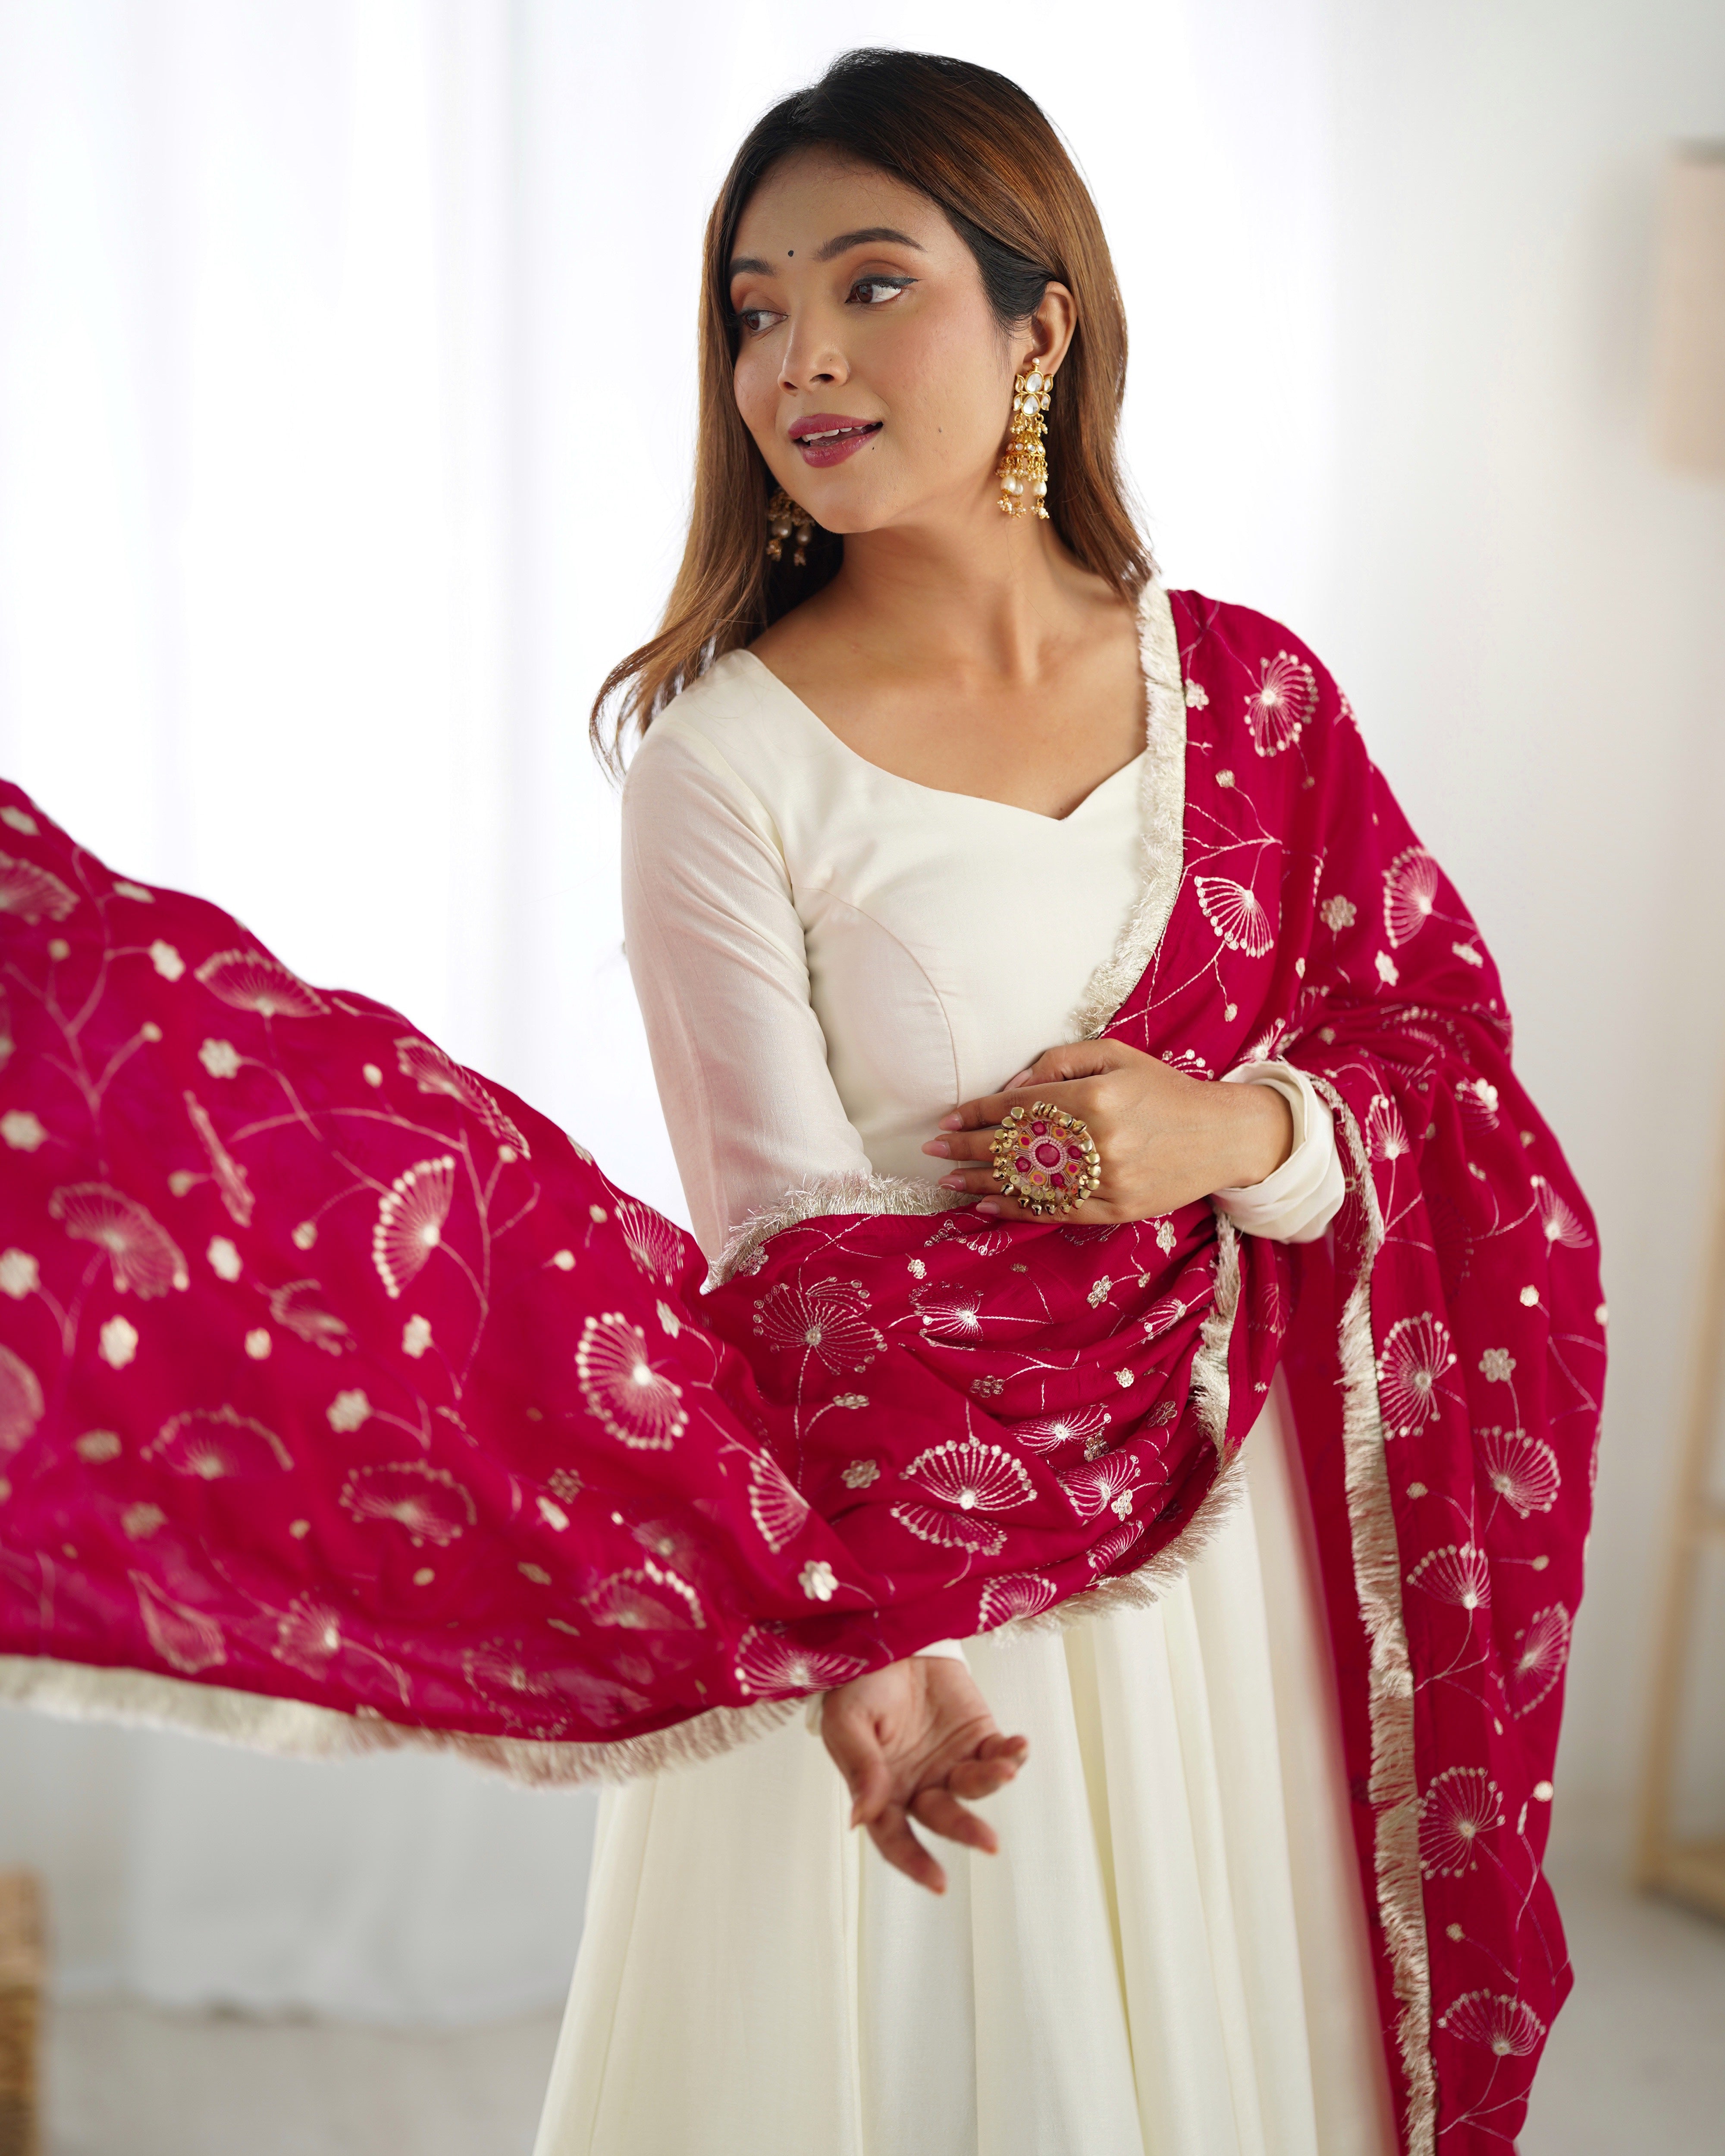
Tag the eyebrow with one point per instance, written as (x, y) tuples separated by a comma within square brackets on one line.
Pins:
[(754, 266)]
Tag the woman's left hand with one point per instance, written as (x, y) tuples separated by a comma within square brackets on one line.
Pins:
[(1165, 1139)]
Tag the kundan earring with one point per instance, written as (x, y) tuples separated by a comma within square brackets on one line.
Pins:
[(783, 517), (1024, 469)]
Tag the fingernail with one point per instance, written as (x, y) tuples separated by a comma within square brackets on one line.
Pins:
[(991, 1206), (955, 1121), (1012, 1084), (939, 1148), (951, 1183)]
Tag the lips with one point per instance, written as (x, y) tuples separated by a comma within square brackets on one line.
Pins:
[(828, 438)]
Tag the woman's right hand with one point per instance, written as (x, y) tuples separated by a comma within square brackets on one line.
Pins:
[(913, 1741)]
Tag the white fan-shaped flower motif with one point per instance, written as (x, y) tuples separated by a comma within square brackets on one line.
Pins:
[(636, 1401), (32, 894), (770, 1666), (1091, 1489), (776, 1506), (1019, 1594), (185, 1640), (653, 1242), (646, 1599), (949, 1530), (950, 1313), (1478, 1100), (217, 1442), (1461, 1804), (410, 1221), (1236, 914), (144, 1259), (1501, 2023), (1457, 1573), (1285, 699), (21, 1402), (1104, 1555), (972, 1476), (434, 1072), (1559, 1219), (1164, 1313), (230, 1178), (1410, 886), (308, 1636), (498, 1669), (249, 981), (1522, 1470), (1046, 1432), (1416, 1356), (827, 1320), (1386, 1133), (293, 1307), (1542, 1648), (426, 1500), (973, 1231)]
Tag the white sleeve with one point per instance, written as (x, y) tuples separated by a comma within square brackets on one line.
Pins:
[(1298, 1202), (716, 951)]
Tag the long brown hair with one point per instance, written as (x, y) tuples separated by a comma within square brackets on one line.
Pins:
[(985, 153)]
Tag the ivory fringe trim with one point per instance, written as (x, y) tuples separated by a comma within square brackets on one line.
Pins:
[(1394, 1789), (1162, 820), (139, 1699), (745, 1247)]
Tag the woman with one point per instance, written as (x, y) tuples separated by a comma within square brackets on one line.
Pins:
[(343, 1402), (877, 851)]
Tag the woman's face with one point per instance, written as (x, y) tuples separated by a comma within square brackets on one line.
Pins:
[(869, 367)]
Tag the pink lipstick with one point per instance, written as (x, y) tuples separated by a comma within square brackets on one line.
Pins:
[(828, 438)]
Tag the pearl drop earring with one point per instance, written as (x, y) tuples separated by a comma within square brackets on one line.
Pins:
[(783, 517), (1024, 469)]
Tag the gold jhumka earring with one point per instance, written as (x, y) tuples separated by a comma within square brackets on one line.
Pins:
[(1024, 469), (783, 517)]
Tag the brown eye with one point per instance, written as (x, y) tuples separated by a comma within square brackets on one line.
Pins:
[(877, 291)]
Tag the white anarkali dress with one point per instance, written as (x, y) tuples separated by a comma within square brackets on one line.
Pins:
[(1169, 1955)]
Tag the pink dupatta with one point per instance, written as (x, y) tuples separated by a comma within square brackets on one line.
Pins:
[(344, 1402)]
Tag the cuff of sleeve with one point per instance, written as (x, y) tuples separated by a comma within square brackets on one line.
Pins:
[(1298, 1202)]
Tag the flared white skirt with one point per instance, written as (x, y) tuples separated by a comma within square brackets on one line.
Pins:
[(1168, 1957)]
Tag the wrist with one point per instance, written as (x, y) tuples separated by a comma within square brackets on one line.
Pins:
[(1257, 1134)]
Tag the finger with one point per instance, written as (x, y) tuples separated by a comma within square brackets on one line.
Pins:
[(993, 1107), (854, 1747), (971, 1145), (1092, 1214), (892, 1836), (941, 1812), (1076, 1061), (979, 1181), (971, 1778)]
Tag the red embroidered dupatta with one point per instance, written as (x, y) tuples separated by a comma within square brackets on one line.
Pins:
[(344, 1402)]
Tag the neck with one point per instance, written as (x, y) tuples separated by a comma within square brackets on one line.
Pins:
[(1000, 599)]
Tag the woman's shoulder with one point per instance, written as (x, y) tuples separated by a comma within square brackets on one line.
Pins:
[(1238, 664), (725, 743)]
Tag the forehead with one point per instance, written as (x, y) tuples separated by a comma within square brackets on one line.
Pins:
[(812, 195)]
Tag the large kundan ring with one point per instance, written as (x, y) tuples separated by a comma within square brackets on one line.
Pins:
[(1046, 1159)]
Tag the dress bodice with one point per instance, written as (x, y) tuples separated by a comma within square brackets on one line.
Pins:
[(830, 956)]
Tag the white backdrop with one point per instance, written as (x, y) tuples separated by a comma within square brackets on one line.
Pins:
[(345, 411)]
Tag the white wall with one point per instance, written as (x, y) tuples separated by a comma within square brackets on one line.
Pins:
[(346, 412)]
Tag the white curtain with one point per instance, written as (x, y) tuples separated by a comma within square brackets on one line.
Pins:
[(345, 421)]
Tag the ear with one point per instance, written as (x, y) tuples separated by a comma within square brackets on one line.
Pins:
[(1049, 330)]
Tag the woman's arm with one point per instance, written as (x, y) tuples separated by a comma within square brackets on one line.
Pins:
[(716, 950)]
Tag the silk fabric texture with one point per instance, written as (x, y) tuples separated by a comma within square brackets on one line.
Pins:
[(344, 1401)]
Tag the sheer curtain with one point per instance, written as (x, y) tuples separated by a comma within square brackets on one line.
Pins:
[(346, 419)]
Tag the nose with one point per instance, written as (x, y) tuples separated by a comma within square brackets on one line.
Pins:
[(814, 358)]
